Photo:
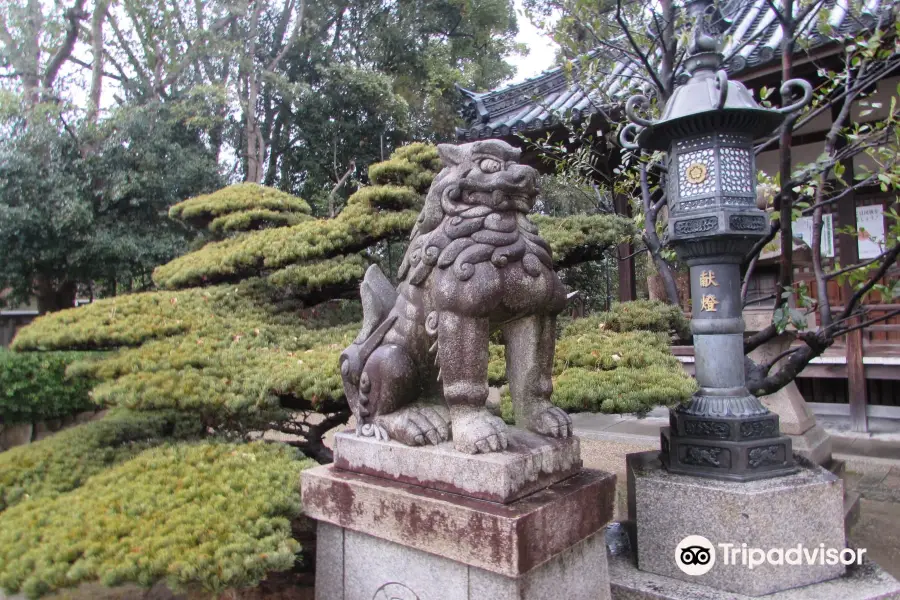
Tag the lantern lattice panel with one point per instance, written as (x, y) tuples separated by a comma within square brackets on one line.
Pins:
[(737, 172)]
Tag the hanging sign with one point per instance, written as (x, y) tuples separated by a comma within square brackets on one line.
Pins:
[(803, 229), (870, 230)]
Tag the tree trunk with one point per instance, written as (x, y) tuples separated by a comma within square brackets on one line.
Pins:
[(52, 297)]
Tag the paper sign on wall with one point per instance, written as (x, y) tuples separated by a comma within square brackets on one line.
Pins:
[(803, 229), (870, 229)]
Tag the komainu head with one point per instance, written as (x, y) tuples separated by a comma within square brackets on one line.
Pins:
[(483, 174)]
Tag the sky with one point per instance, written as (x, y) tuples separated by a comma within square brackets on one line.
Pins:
[(542, 49)]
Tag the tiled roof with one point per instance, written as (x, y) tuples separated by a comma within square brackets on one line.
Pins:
[(754, 38)]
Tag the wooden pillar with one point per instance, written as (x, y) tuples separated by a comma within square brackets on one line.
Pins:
[(848, 252), (627, 289)]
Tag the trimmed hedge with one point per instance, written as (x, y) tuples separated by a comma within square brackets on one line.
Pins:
[(65, 460), (204, 515), (599, 368), (34, 387), (638, 315)]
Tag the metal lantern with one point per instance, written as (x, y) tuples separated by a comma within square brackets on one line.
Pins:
[(708, 127)]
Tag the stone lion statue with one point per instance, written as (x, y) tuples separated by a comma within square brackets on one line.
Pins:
[(418, 370)]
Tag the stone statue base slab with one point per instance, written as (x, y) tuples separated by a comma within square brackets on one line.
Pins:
[(779, 513), (530, 463), (865, 582), (383, 540)]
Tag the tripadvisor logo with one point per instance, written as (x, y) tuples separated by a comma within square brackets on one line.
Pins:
[(696, 555)]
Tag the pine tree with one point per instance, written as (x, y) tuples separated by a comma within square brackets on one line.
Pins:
[(243, 336)]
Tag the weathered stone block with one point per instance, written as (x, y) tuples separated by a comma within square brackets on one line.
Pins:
[(530, 463), (507, 539), (369, 567), (805, 508)]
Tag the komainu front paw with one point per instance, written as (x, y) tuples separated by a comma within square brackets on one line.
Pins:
[(476, 430), (550, 420), (417, 425)]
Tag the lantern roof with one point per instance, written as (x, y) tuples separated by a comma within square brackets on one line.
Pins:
[(707, 102)]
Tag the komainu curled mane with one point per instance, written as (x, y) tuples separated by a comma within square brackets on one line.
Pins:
[(417, 371)]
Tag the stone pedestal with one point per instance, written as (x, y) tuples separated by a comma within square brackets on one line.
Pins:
[(804, 509), (531, 463), (435, 536)]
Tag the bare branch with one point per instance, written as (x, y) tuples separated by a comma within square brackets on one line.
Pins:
[(866, 263), (747, 276), (888, 258), (637, 49), (768, 366), (338, 186), (787, 24), (298, 29)]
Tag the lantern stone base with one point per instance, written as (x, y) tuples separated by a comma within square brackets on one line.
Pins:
[(778, 513), (381, 539), (864, 582)]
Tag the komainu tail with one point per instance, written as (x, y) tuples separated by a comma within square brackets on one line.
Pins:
[(378, 298)]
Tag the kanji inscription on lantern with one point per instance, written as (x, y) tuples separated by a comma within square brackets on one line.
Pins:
[(708, 279), (708, 303)]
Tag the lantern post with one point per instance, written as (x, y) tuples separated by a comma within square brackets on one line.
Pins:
[(708, 127)]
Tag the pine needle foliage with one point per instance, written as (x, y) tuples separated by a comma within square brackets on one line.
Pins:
[(372, 214), (205, 515), (579, 238), (638, 315), (200, 211), (62, 462), (248, 220), (615, 362), (235, 353)]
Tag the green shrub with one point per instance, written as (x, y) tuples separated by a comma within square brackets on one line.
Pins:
[(236, 353), (205, 515), (306, 280), (62, 462), (34, 387), (599, 370), (577, 238), (250, 254), (638, 315)]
